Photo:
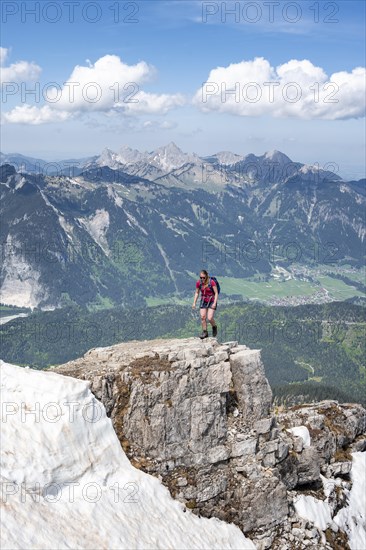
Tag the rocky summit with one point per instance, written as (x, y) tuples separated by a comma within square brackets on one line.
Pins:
[(198, 415)]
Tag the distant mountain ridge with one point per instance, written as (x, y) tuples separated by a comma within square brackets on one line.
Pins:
[(115, 236), (225, 165)]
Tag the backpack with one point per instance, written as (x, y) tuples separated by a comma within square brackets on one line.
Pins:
[(217, 284)]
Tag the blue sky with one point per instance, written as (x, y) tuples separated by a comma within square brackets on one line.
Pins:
[(171, 52)]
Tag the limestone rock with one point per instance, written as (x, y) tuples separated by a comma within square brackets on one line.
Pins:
[(339, 469), (308, 468), (254, 392), (197, 414)]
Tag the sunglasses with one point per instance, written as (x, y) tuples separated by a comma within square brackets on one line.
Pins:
[(203, 278)]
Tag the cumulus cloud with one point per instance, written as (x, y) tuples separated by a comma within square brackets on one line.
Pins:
[(107, 86), (294, 89), (30, 114), (21, 71)]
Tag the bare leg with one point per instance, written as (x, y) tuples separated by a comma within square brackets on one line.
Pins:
[(210, 316), (203, 312)]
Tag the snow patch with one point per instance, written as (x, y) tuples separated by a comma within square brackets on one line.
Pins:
[(69, 484), (303, 432), (314, 510), (352, 518)]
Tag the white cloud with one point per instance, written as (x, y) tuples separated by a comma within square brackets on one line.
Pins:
[(155, 124), (21, 71), (110, 84), (154, 103), (294, 89), (28, 114), (102, 86), (105, 87)]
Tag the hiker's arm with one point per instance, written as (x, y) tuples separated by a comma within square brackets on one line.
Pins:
[(195, 297), (216, 295)]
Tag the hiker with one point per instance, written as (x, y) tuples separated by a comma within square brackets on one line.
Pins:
[(208, 304)]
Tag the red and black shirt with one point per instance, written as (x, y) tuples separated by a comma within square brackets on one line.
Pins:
[(207, 293)]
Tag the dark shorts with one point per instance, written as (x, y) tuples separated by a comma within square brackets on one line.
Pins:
[(206, 305)]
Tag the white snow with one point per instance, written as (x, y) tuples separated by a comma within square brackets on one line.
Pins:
[(66, 482), (352, 519), (303, 432), (329, 484), (314, 510)]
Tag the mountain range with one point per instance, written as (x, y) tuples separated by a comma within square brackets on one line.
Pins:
[(117, 228), (168, 158)]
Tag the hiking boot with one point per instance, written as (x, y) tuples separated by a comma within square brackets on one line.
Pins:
[(204, 334), (214, 331)]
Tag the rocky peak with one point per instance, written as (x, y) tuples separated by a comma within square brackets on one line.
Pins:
[(197, 414), (172, 399), (107, 158), (127, 155), (276, 156), (169, 157), (226, 158)]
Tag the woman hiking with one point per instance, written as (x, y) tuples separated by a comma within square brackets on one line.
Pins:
[(208, 304)]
